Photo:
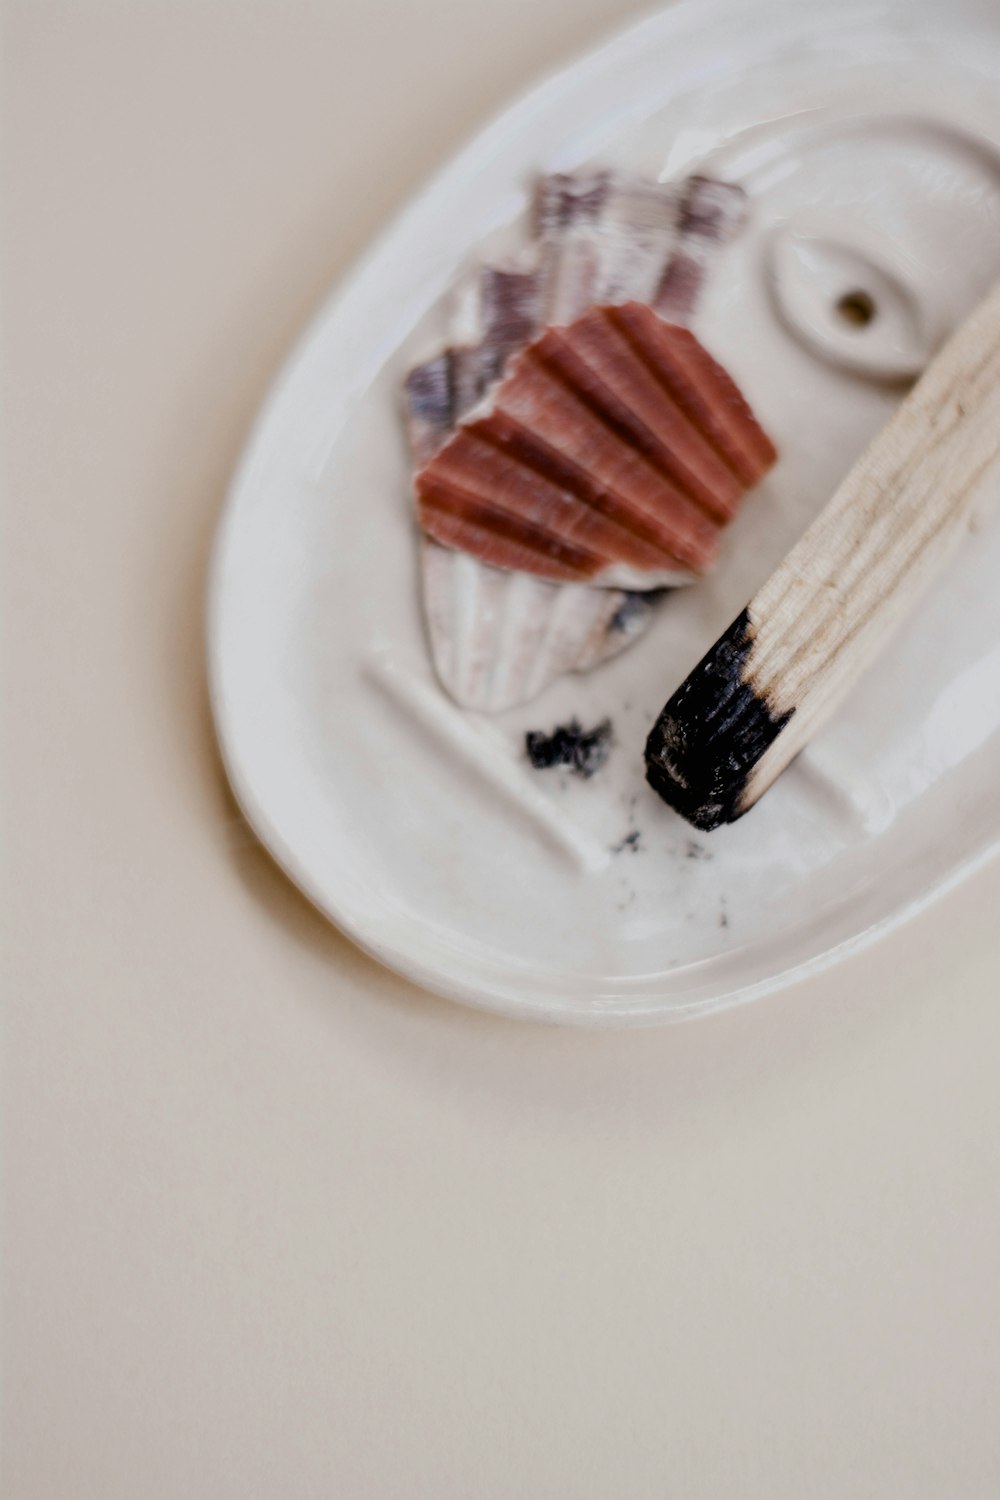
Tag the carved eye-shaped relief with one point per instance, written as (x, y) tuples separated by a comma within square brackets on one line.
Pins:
[(848, 305), (877, 235)]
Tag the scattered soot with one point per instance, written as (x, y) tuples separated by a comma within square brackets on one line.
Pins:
[(694, 850), (584, 751)]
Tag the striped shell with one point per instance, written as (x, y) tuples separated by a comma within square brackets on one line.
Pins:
[(614, 452), (497, 637)]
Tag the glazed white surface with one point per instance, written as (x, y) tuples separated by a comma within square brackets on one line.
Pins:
[(420, 829)]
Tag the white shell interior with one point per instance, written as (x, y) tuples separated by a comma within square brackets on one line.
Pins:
[(869, 138)]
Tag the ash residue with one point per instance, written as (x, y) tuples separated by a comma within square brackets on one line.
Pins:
[(584, 751), (694, 850), (631, 841)]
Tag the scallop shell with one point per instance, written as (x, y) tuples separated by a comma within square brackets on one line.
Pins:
[(711, 212), (604, 238), (498, 637), (615, 451)]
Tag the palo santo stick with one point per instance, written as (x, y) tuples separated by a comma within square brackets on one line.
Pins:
[(787, 661)]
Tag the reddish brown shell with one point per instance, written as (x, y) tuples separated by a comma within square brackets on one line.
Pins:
[(614, 451)]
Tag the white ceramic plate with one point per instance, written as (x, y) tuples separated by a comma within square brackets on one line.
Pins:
[(869, 136)]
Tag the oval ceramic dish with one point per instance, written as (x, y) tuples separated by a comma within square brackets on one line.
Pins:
[(868, 139)]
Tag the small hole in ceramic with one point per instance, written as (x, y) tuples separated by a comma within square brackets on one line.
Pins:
[(856, 308)]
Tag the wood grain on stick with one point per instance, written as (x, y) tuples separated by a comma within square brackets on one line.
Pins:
[(806, 636)]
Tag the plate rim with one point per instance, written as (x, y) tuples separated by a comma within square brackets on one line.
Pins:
[(613, 1010)]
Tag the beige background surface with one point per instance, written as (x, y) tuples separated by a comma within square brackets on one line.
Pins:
[(277, 1224)]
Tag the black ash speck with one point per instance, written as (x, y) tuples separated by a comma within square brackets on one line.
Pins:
[(584, 751), (694, 850), (631, 841)]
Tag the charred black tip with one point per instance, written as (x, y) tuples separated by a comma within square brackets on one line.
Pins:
[(712, 732)]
